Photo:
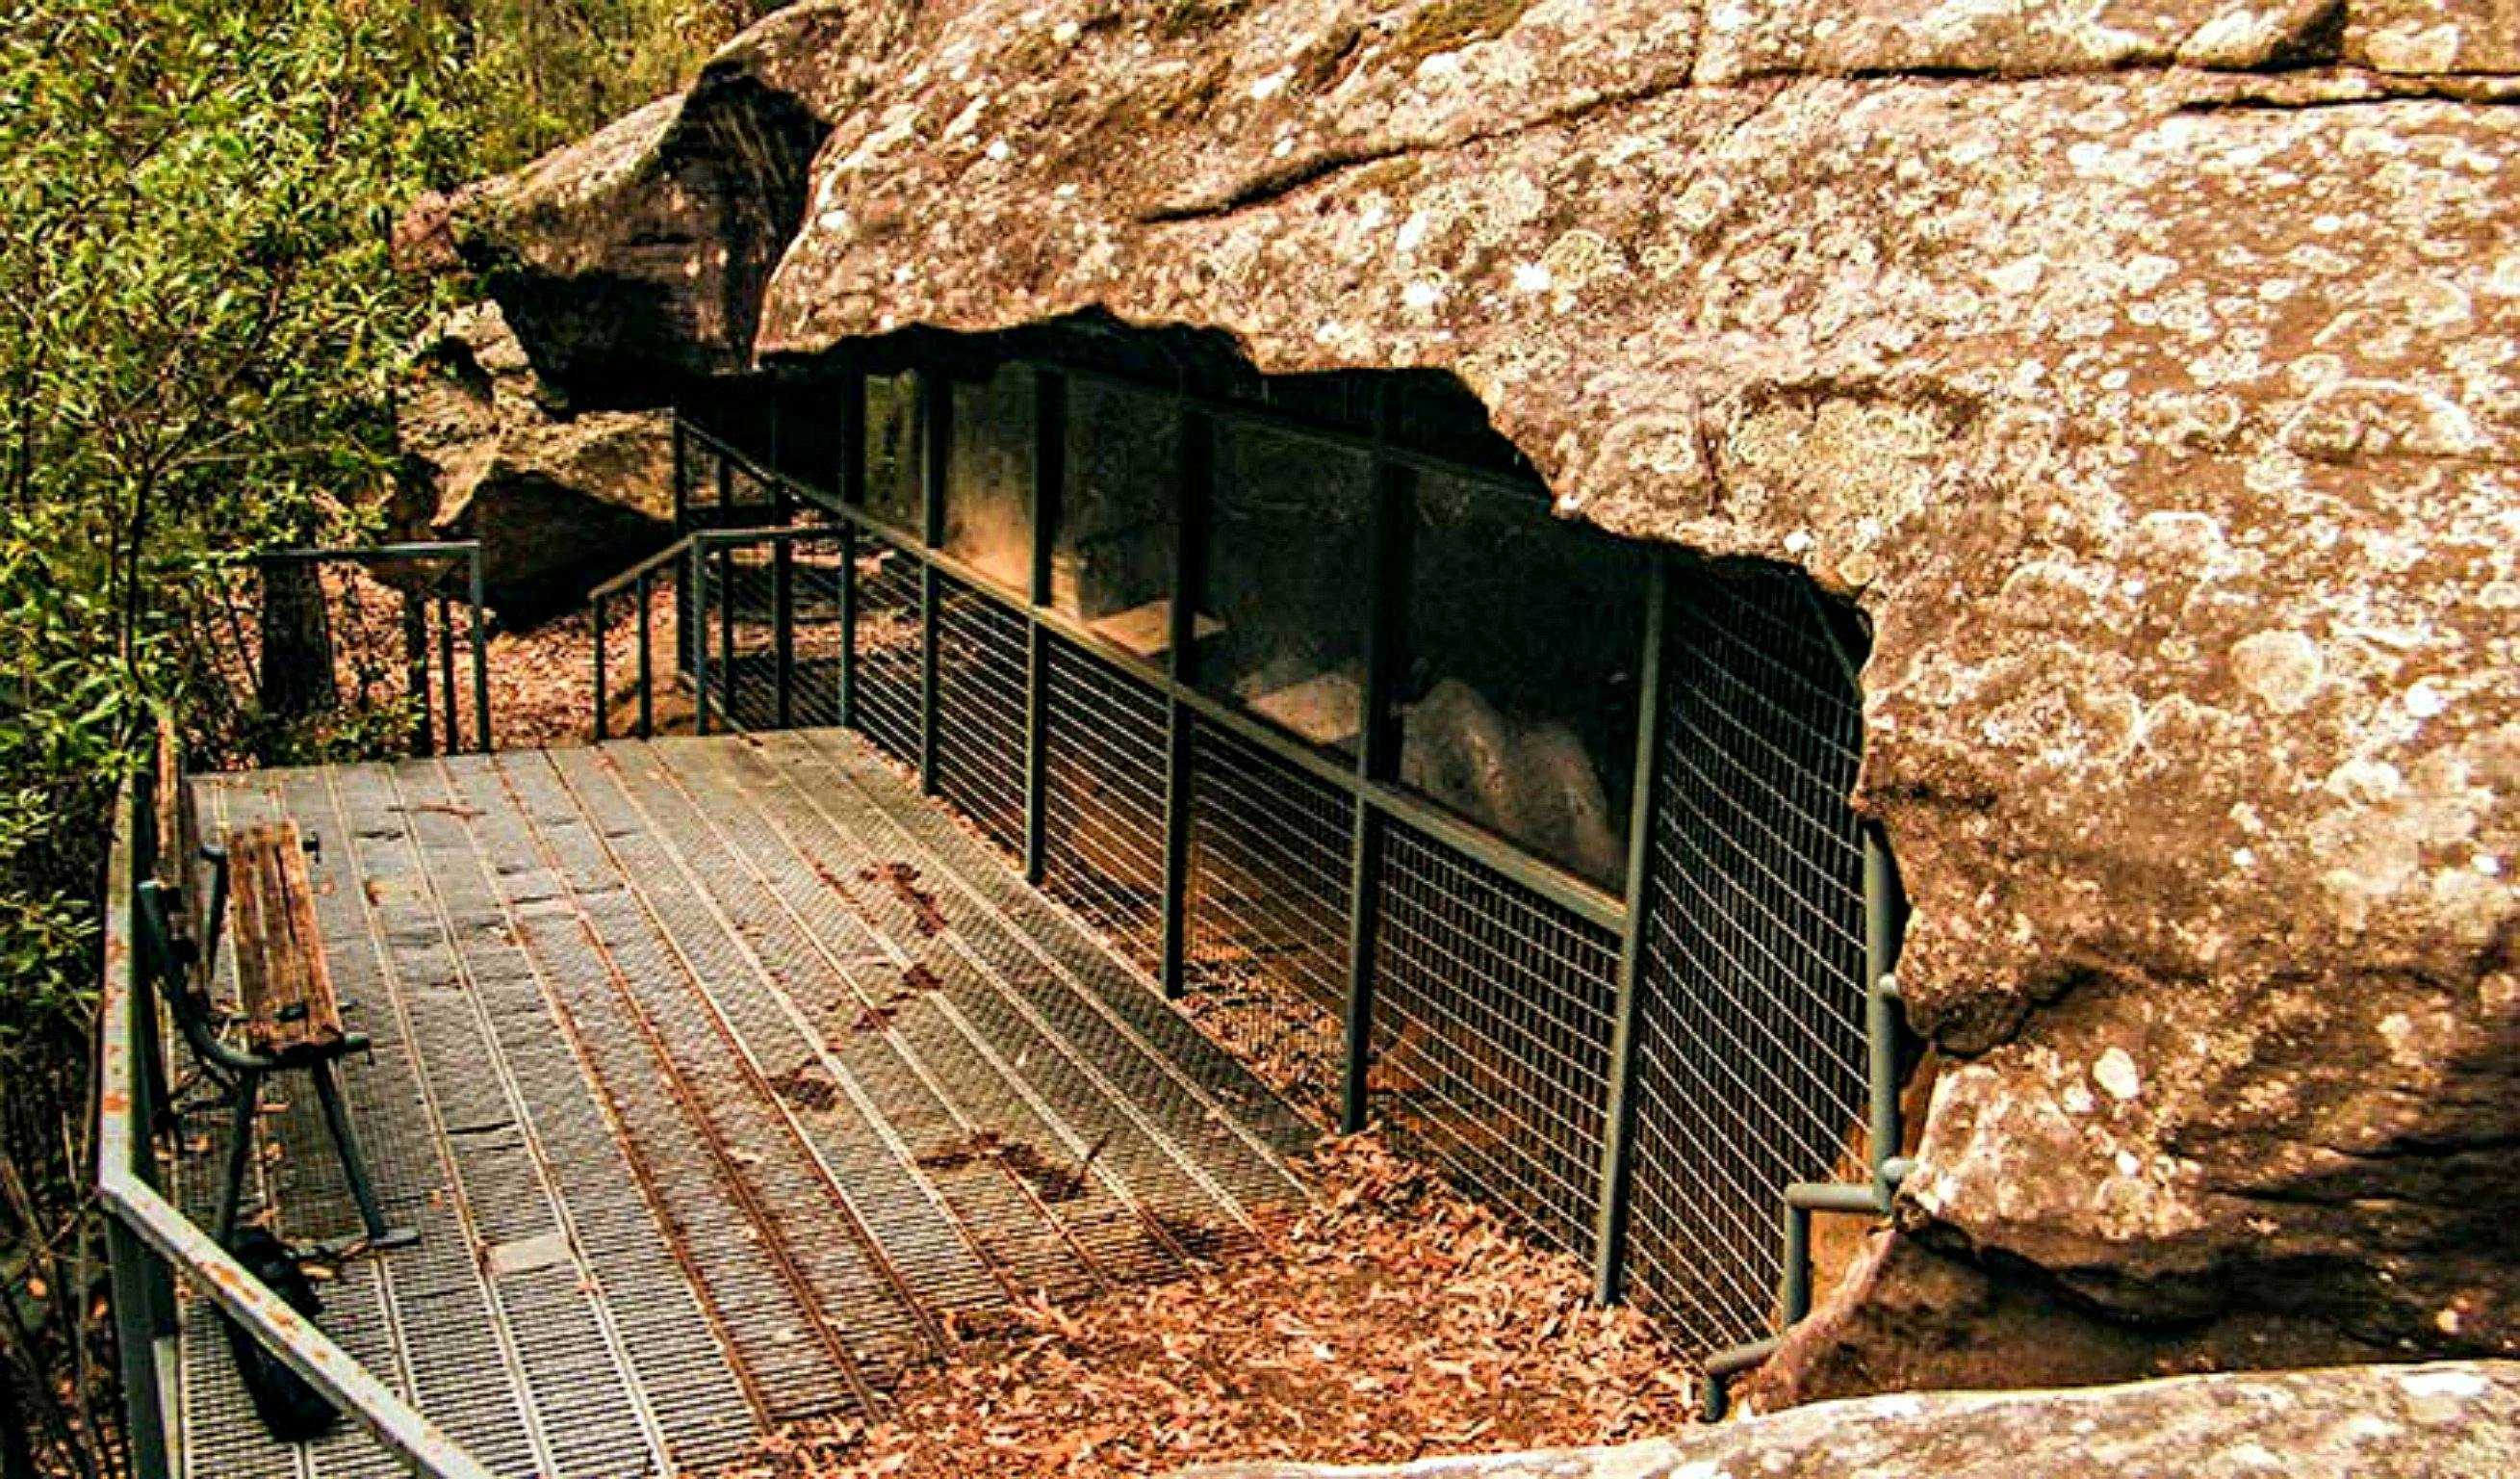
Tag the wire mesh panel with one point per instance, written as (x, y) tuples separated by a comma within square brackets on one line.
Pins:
[(771, 615), (980, 683), (638, 653), (889, 644), (1750, 1025), (722, 488), (1493, 1015), (1266, 970), (1104, 812)]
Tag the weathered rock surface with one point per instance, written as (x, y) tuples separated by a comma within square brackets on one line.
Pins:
[(2149, 370), (557, 502), (2452, 1421)]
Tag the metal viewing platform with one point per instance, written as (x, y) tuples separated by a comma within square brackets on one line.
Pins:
[(723, 1079)]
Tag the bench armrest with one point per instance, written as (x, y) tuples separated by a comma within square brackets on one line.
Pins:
[(163, 965)]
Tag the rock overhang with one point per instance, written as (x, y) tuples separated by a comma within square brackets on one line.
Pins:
[(2146, 371)]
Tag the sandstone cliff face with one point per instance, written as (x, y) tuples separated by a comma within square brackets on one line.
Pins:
[(2149, 371), (2452, 1421)]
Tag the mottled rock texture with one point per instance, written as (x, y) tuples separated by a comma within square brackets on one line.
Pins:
[(558, 501), (2454, 1420), (2149, 370)]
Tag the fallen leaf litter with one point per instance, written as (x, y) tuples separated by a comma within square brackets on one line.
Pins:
[(1391, 1320)]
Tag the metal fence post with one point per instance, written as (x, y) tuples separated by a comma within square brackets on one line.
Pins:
[(852, 484), (1048, 496), (1190, 551), (1377, 759), (647, 593), (135, 1343), (594, 614), (728, 676), (935, 431), (782, 624), (1618, 1138), (480, 654), (694, 634)]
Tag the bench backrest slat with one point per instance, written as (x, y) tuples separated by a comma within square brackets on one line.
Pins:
[(290, 1008)]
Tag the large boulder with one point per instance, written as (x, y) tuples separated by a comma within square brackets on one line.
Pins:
[(2454, 1420), (2149, 370), (558, 501)]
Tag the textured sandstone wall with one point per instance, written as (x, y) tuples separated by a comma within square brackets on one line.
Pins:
[(2455, 1420), (2145, 368)]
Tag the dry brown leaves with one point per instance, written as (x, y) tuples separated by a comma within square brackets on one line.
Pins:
[(1391, 1320)]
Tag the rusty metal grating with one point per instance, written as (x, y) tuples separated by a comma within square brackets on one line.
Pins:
[(885, 691), (981, 682), (1493, 1017), (719, 1076), (1750, 1030), (1103, 812), (1266, 969)]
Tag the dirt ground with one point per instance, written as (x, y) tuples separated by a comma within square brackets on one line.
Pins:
[(1390, 1320)]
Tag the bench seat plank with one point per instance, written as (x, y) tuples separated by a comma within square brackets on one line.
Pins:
[(291, 1012)]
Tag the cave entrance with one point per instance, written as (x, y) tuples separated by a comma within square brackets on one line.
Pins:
[(1528, 844)]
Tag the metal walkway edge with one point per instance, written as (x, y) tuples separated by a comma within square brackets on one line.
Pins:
[(724, 1077)]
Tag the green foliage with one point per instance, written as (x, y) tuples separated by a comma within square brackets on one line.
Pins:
[(200, 333), (200, 339), (539, 73)]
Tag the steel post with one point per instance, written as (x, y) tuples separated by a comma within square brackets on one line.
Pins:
[(694, 634), (1885, 911), (480, 652), (1618, 1138), (848, 694), (454, 723), (1190, 550), (935, 438), (1377, 759), (646, 658), (1049, 497), (595, 618), (782, 624)]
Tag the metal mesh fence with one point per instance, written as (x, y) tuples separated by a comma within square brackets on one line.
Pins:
[(1266, 970), (889, 644), (337, 655), (981, 681), (1493, 1017), (1750, 1028), (638, 647), (1494, 994), (1104, 812), (771, 615)]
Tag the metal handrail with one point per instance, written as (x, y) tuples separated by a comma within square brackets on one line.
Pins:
[(648, 567), (146, 1226), (1560, 884), (474, 596)]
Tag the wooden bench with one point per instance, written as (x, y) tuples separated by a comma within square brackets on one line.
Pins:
[(291, 1014), (291, 1018)]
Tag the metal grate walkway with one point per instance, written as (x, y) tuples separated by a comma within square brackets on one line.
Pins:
[(722, 1078)]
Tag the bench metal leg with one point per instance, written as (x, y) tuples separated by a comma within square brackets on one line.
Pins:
[(248, 1099), (354, 1166)]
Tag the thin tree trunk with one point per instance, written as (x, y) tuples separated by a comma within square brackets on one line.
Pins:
[(297, 676)]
